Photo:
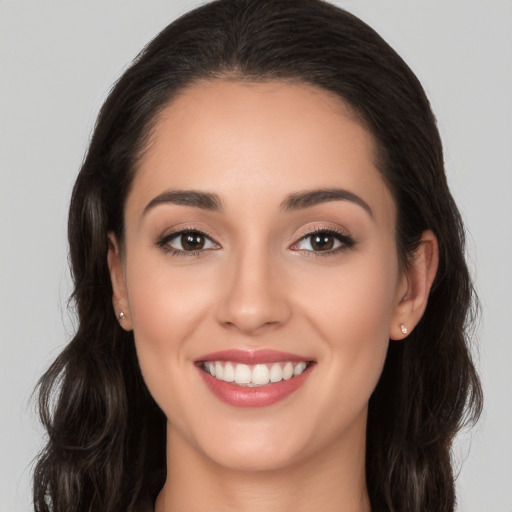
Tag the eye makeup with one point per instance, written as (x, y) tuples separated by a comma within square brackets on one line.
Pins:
[(186, 241), (324, 241), (193, 242)]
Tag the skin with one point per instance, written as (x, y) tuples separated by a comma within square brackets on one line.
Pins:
[(259, 285)]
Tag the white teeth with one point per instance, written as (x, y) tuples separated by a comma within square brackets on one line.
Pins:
[(288, 371), (276, 373), (299, 368), (229, 373), (260, 375), (219, 370), (254, 375), (243, 374)]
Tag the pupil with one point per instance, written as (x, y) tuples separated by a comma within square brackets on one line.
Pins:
[(322, 242), (192, 241)]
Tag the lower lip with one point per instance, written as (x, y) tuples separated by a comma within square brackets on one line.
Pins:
[(262, 396)]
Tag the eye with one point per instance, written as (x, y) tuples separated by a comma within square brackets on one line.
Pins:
[(326, 241), (186, 241)]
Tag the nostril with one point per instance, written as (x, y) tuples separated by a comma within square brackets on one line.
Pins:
[(252, 320)]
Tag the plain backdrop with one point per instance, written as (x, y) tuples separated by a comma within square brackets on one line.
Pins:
[(58, 60)]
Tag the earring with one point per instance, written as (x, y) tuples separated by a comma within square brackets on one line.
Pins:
[(403, 329), (122, 316)]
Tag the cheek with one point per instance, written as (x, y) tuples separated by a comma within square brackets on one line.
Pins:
[(165, 302), (352, 313), (356, 299), (166, 307)]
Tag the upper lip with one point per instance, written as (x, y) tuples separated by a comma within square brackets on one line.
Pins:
[(252, 356)]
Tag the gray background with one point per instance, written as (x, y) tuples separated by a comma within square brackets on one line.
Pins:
[(58, 60)]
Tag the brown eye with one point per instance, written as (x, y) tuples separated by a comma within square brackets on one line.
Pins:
[(329, 242), (186, 242), (322, 242), (192, 241)]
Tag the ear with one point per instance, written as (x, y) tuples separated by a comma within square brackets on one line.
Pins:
[(415, 287), (119, 291)]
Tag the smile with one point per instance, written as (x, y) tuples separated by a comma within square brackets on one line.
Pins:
[(254, 375), (259, 378)]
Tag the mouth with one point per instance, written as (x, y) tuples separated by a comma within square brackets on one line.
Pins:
[(256, 375), (253, 378)]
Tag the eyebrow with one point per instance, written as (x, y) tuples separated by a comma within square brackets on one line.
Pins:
[(203, 200), (294, 202), (309, 198)]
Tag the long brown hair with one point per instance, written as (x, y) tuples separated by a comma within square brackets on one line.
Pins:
[(106, 436)]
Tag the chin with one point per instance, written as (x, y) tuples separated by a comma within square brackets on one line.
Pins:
[(255, 457), (248, 446)]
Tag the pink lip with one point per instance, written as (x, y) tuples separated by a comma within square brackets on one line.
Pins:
[(262, 396), (252, 356)]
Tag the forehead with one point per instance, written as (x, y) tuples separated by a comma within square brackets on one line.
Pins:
[(260, 139)]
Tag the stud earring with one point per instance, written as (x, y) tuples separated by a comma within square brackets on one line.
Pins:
[(403, 329), (122, 316)]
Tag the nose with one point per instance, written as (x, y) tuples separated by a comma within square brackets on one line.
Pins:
[(254, 297)]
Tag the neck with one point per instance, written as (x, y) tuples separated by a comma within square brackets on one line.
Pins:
[(333, 481)]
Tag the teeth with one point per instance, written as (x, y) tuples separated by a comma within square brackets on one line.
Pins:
[(260, 375), (276, 373), (288, 371), (242, 374), (299, 368), (229, 373), (254, 375), (210, 368), (219, 371)]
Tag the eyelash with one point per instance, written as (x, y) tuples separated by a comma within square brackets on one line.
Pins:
[(163, 242), (347, 242)]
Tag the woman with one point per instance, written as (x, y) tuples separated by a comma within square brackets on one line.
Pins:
[(269, 278)]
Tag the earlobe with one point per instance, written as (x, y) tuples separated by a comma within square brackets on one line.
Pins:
[(419, 276), (119, 291)]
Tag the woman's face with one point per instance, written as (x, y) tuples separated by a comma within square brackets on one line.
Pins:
[(260, 247)]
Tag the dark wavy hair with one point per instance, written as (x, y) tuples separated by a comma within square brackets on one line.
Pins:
[(106, 436)]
